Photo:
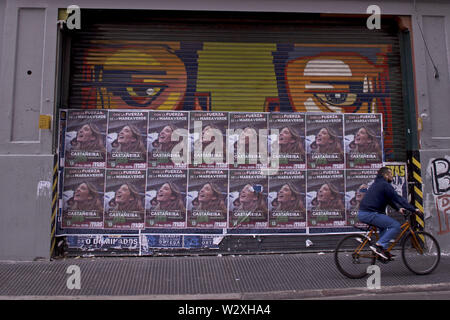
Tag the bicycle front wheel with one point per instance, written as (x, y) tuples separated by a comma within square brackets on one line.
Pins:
[(353, 255), (421, 252)]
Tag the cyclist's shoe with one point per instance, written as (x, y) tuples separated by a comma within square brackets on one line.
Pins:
[(389, 255), (380, 252)]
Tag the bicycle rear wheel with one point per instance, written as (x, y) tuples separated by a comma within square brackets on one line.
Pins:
[(421, 252), (353, 255)]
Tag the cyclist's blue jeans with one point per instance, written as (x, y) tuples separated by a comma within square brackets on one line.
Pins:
[(388, 227)]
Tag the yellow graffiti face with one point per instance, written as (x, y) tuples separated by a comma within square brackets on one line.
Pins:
[(333, 83), (146, 77)]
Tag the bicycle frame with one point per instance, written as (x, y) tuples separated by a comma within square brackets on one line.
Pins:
[(405, 228), (368, 236)]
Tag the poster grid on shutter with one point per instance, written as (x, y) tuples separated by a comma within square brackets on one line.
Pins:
[(113, 128)]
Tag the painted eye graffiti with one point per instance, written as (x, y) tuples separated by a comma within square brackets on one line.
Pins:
[(344, 94), (337, 99), (142, 95), (143, 92), (152, 91), (139, 88)]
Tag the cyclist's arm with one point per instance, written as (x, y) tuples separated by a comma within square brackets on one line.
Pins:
[(397, 201)]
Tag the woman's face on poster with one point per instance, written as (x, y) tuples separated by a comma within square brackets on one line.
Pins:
[(164, 193), (126, 136), (82, 193), (359, 194), (286, 136), (85, 134), (247, 194), (362, 137), (165, 135), (123, 195), (206, 193), (323, 138), (207, 134), (285, 194), (324, 193)]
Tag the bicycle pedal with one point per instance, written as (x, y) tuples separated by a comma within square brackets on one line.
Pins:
[(382, 260)]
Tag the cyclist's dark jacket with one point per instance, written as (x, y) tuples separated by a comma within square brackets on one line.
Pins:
[(379, 195)]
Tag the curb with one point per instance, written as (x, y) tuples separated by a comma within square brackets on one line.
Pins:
[(275, 295), (329, 293)]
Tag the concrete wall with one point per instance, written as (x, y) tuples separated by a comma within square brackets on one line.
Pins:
[(2, 20), (28, 46), (27, 77), (433, 96)]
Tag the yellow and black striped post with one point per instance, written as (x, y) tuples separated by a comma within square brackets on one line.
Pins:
[(417, 193), (54, 206)]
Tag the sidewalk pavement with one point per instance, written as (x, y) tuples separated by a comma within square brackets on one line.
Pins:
[(228, 277)]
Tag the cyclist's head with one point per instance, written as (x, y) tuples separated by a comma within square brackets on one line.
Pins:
[(386, 173)]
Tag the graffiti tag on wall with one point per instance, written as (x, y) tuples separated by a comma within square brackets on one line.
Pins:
[(440, 176)]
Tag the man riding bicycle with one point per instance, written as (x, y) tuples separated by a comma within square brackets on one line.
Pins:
[(372, 210)]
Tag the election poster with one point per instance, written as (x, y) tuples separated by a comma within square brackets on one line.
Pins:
[(85, 139), (247, 199), (324, 141), (168, 139), (124, 199), (202, 241), (287, 139), (356, 184), (247, 140), (127, 140), (115, 244), (363, 141), (325, 198), (83, 198), (400, 184), (150, 242), (287, 194), (166, 198), (208, 139), (207, 195)]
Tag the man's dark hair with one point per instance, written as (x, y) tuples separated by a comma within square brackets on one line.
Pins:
[(383, 171)]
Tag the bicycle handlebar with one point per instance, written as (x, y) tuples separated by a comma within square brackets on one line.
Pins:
[(409, 213)]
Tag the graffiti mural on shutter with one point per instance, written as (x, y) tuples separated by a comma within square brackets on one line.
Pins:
[(222, 76)]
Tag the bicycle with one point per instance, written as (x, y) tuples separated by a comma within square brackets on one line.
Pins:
[(420, 251)]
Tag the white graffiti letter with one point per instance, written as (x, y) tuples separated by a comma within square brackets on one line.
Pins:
[(374, 21)]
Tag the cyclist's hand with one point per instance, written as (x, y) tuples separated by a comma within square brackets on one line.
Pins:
[(402, 210)]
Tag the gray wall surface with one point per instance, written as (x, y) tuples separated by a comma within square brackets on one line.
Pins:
[(27, 77), (26, 197), (2, 20), (28, 43)]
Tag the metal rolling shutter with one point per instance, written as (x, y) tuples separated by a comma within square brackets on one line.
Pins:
[(237, 61)]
